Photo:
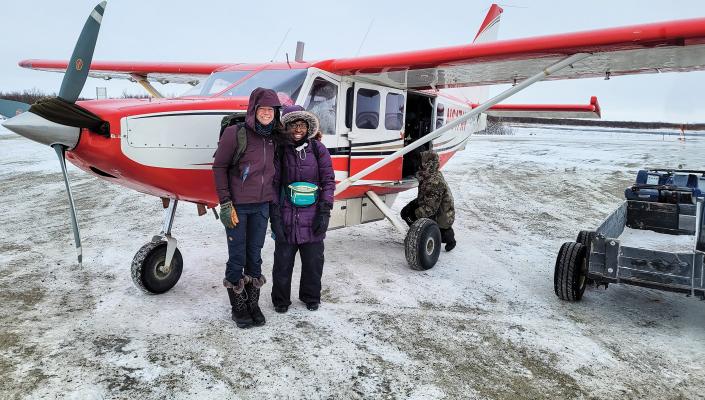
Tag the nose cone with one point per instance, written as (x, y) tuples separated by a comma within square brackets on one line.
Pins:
[(41, 130)]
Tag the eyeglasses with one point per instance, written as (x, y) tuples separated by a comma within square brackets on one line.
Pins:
[(297, 125)]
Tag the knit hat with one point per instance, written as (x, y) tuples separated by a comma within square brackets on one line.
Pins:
[(295, 113)]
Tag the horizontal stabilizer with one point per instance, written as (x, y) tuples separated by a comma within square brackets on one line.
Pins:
[(10, 108)]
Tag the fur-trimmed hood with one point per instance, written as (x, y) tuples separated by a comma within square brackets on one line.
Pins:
[(296, 113)]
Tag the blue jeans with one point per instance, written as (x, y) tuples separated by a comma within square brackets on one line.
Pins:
[(245, 241)]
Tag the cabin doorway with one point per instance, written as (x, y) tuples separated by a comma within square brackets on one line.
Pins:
[(419, 123)]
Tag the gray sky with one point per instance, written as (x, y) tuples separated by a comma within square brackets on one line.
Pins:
[(238, 31)]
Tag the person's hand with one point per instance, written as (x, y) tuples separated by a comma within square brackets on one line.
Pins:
[(228, 215), (320, 221)]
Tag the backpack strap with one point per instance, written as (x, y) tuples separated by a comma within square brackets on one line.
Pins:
[(241, 144)]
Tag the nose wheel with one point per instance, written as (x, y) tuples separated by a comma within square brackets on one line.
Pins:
[(157, 266), (150, 272)]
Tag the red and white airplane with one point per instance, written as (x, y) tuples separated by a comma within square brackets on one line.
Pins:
[(374, 112)]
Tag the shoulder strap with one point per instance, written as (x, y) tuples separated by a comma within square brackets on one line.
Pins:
[(241, 143)]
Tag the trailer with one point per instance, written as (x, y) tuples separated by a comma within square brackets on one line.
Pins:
[(670, 213)]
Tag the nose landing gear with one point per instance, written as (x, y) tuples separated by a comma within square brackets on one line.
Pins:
[(157, 266)]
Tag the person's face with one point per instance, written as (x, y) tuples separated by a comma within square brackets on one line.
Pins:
[(265, 115), (297, 129)]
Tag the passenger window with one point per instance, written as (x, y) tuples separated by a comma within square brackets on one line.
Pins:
[(323, 101), (440, 117), (394, 112), (367, 115)]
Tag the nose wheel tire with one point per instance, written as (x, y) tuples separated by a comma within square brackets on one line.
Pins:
[(570, 275), (149, 272), (422, 244)]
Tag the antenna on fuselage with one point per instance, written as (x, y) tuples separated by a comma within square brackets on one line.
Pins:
[(364, 37), (299, 57), (280, 45)]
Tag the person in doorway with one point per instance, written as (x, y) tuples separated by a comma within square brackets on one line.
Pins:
[(434, 199), (243, 175), (305, 182)]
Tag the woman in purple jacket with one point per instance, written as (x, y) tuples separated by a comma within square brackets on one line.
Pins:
[(243, 183), (302, 159)]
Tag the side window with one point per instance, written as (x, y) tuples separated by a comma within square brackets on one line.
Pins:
[(367, 115), (323, 101), (394, 112), (440, 115)]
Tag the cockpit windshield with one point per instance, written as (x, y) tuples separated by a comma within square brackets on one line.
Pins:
[(286, 82), (216, 83)]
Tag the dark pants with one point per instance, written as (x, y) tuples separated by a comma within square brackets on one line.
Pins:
[(408, 214), (245, 241), (311, 271)]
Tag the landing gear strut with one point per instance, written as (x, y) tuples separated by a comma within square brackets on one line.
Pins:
[(422, 241), (158, 264)]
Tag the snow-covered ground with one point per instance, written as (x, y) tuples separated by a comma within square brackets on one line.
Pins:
[(483, 323)]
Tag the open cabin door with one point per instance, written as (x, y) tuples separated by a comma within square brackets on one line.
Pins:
[(377, 130)]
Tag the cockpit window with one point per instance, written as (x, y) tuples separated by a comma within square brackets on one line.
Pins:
[(286, 82), (216, 83)]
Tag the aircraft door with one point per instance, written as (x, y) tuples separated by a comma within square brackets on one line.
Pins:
[(377, 130), (322, 99)]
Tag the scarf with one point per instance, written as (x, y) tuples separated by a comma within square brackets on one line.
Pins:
[(264, 130)]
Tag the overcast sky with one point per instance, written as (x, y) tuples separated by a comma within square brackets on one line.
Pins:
[(240, 31)]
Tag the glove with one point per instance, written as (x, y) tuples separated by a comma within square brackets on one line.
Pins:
[(228, 215), (275, 220), (320, 221)]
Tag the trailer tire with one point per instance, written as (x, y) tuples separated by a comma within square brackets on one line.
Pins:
[(585, 238), (570, 275), (422, 244)]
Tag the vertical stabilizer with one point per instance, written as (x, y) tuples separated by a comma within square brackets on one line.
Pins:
[(490, 26)]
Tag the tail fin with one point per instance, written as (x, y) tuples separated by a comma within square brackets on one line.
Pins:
[(490, 26)]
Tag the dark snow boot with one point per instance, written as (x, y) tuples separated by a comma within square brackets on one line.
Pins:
[(238, 301), (252, 289), (448, 237)]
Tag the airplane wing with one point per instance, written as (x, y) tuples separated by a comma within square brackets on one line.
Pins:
[(163, 72), (649, 48), (583, 111)]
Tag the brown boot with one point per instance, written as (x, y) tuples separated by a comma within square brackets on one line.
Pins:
[(253, 289), (238, 302)]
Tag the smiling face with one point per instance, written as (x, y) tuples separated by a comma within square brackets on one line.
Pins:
[(265, 115), (298, 129)]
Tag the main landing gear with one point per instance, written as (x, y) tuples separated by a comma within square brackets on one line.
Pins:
[(422, 243), (158, 264)]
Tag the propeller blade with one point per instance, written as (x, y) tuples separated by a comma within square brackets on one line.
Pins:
[(11, 108), (60, 152), (80, 62)]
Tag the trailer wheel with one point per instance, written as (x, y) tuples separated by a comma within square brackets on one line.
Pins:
[(422, 244), (149, 272), (570, 275), (585, 238)]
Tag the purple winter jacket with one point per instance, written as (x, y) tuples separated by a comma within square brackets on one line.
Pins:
[(251, 180), (298, 221)]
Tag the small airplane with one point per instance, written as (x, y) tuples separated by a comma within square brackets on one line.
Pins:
[(375, 112)]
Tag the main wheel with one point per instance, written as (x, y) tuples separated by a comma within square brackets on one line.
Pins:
[(422, 244), (149, 272), (570, 275)]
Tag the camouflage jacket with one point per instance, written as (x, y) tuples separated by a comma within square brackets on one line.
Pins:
[(434, 198)]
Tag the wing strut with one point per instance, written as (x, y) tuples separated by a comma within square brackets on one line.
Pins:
[(340, 187), (142, 80)]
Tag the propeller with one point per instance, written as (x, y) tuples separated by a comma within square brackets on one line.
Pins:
[(39, 123), (80, 62), (60, 152)]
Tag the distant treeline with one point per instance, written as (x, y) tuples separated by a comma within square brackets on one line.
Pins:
[(31, 96), (27, 96), (592, 122)]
